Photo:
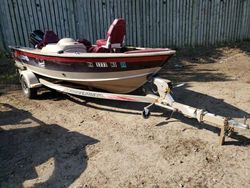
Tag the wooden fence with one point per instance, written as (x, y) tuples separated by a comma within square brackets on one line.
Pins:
[(152, 23)]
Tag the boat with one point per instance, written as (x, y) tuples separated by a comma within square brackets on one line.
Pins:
[(108, 64)]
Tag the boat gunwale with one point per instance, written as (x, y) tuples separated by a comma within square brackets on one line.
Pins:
[(96, 55)]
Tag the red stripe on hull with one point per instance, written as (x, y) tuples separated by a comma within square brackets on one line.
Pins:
[(101, 59), (121, 98)]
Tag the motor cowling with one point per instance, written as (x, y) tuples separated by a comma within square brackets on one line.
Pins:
[(36, 37)]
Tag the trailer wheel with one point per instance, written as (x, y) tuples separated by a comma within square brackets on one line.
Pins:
[(30, 93), (146, 113)]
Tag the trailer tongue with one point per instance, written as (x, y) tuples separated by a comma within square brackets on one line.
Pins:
[(165, 100)]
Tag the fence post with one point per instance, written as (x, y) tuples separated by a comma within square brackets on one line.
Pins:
[(194, 23), (1, 38)]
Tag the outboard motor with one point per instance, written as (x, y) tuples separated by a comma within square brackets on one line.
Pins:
[(36, 37)]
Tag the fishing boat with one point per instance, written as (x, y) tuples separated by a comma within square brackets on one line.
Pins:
[(108, 64)]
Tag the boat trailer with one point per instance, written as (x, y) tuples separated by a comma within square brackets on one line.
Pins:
[(30, 82)]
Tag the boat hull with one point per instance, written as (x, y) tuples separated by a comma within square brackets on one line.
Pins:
[(117, 82), (119, 74), (117, 86)]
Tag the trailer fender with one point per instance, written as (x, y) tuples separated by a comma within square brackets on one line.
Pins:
[(30, 78)]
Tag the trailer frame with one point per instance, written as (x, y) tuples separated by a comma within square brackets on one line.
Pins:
[(164, 100)]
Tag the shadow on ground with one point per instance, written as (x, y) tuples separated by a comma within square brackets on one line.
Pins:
[(24, 148), (182, 67), (207, 102)]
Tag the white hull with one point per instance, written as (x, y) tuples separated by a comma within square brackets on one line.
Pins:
[(118, 82)]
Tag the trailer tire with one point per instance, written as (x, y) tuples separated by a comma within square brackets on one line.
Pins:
[(30, 93)]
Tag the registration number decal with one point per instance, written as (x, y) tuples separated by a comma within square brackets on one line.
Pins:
[(107, 65)]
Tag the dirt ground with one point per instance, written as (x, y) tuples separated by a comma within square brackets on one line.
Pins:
[(65, 141)]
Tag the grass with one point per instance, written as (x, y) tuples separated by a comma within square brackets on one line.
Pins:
[(1, 55), (8, 73)]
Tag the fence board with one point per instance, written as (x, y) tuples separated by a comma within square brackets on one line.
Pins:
[(12, 20), (7, 32), (1, 34)]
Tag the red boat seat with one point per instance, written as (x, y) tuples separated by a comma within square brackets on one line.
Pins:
[(48, 38), (101, 42), (90, 48), (98, 49), (115, 35)]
